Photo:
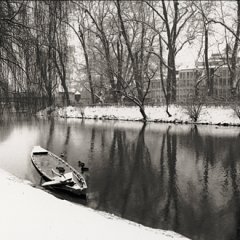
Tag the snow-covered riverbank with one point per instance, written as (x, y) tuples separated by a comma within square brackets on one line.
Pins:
[(31, 213), (209, 115)]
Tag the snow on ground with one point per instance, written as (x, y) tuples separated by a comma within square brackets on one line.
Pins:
[(210, 115), (31, 213)]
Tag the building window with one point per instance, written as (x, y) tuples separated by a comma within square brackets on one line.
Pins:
[(220, 82), (224, 92), (224, 82)]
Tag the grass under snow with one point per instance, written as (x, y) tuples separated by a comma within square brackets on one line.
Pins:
[(209, 115)]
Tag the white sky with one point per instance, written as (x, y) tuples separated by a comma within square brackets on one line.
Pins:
[(187, 57)]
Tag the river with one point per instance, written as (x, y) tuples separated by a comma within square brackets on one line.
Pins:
[(178, 177)]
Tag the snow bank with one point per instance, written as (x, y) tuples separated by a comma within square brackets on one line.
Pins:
[(30, 213), (209, 115)]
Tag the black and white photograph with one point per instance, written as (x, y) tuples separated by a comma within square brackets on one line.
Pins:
[(120, 120)]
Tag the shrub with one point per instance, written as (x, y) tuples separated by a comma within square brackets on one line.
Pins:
[(194, 108), (236, 108)]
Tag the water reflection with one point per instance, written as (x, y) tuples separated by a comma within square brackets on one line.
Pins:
[(125, 189), (182, 191), (50, 135), (64, 154), (184, 178), (92, 141), (172, 194)]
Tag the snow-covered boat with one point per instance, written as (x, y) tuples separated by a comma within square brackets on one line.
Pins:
[(57, 173)]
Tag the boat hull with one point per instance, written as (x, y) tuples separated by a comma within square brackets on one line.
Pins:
[(54, 170)]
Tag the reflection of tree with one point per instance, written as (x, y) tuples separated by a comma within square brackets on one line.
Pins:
[(139, 173), (209, 157), (103, 139), (209, 160), (50, 135), (205, 203), (92, 144), (162, 158), (129, 185), (232, 168), (172, 194), (110, 176), (65, 146), (103, 142), (198, 142), (129, 177), (161, 181), (67, 136)]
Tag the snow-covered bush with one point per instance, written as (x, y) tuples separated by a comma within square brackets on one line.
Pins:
[(194, 108), (236, 109)]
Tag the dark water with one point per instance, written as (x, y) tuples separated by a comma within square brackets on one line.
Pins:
[(176, 177)]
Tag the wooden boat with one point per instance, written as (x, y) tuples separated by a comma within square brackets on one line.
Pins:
[(57, 173)]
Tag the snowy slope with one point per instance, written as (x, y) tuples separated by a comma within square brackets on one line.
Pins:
[(30, 213)]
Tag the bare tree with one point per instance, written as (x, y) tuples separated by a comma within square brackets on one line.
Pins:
[(232, 52), (82, 34), (98, 13), (142, 72), (205, 10), (61, 49), (13, 35), (51, 47), (175, 16)]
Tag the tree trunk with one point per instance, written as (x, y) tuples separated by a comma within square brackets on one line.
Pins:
[(87, 66), (66, 93), (233, 72), (50, 97), (171, 76), (208, 75), (162, 76), (120, 67), (137, 76), (110, 73), (142, 110)]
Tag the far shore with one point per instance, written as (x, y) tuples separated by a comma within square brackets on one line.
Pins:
[(212, 115)]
